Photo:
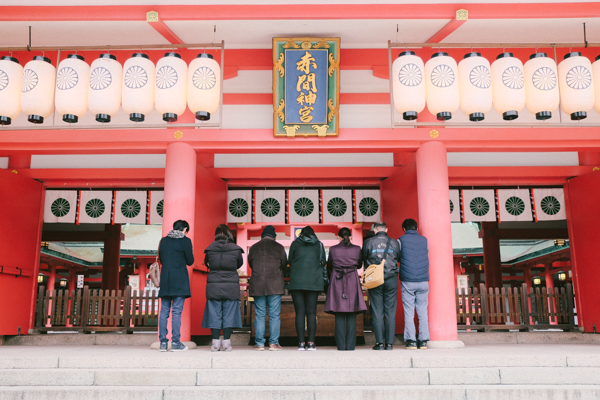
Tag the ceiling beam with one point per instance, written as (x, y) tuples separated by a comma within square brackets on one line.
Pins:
[(460, 18), (161, 27), (214, 12)]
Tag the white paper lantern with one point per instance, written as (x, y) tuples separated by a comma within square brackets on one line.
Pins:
[(596, 80), (104, 98), (541, 86), (408, 85), (72, 86), (138, 86), (37, 89), (204, 86), (475, 83), (441, 85), (11, 74), (171, 86), (576, 85), (508, 86)]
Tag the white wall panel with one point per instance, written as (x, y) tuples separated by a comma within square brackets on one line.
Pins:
[(524, 159), (362, 81), (98, 161), (3, 162), (364, 116), (282, 160)]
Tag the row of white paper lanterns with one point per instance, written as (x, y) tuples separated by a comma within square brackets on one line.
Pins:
[(508, 85), (104, 86)]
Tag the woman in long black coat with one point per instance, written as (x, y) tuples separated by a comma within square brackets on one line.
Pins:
[(223, 258), (307, 259), (345, 297)]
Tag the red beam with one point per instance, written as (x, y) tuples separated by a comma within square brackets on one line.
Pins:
[(300, 173), (461, 176), (526, 234), (298, 12), (446, 31), (166, 32), (267, 98), (317, 182), (77, 236)]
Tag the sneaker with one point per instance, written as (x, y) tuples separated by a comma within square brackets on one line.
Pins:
[(274, 347), (216, 345), (389, 347), (164, 346), (178, 347), (422, 344), (301, 346), (378, 346), (411, 345), (259, 348), (311, 346), (226, 345)]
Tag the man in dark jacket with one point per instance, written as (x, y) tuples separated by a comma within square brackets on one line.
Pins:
[(267, 259), (175, 252), (383, 298), (414, 275)]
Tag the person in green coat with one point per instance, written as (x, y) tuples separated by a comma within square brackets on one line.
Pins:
[(306, 259)]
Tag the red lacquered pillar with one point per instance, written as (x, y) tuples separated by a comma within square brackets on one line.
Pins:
[(180, 203), (434, 224)]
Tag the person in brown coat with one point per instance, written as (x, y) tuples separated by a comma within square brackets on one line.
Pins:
[(267, 259)]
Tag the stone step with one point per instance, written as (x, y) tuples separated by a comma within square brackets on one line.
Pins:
[(302, 377), (488, 392)]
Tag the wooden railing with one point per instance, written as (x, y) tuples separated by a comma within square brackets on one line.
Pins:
[(519, 308), (96, 310)]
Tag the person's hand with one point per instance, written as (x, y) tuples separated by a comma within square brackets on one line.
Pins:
[(360, 271)]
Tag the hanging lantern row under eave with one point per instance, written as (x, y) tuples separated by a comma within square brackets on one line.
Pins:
[(11, 74), (171, 86), (204, 86), (138, 86), (508, 86), (104, 98), (72, 86), (541, 86), (442, 86), (576, 88), (408, 85), (37, 89), (475, 84)]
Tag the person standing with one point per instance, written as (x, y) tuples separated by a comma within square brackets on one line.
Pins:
[(414, 278), (345, 297), (306, 259), (174, 252), (383, 298), (267, 260), (223, 258)]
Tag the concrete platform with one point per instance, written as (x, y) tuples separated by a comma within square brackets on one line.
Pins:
[(511, 372)]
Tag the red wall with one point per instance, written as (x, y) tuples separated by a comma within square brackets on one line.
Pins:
[(20, 235), (399, 202), (584, 219), (211, 206)]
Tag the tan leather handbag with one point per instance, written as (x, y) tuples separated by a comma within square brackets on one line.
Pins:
[(374, 276), (155, 270)]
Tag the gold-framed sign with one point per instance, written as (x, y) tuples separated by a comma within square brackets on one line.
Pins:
[(306, 87)]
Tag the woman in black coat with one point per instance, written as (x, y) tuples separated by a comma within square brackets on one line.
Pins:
[(223, 258), (307, 259)]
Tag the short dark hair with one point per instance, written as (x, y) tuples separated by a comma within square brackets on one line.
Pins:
[(379, 225), (409, 225), (345, 234), (307, 231), (223, 233), (180, 225)]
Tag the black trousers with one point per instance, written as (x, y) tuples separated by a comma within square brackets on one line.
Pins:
[(305, 304), (383, 305), (345, 331)]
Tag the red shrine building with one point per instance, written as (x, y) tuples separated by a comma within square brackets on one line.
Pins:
[(479, 120)]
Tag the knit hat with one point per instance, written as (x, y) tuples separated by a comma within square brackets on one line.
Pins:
[(269, 231)]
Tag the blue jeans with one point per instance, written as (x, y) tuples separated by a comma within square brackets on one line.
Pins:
[(165, 310), (260, 305)]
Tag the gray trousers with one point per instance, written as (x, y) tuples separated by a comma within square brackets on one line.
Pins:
[(383, 304), (415, 294)]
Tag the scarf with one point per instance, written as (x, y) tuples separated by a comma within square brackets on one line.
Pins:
[(176, 234)]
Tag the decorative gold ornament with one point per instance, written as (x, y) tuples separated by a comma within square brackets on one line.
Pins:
[(291, 44), (321, 129), (596, 169), (434, 134), (152, 16), (321, 45), (178, 134), (306, 45), (462, 15), (279, 65), (333, 65), (291, 130), (333, 111), (279, 110)]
